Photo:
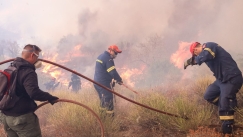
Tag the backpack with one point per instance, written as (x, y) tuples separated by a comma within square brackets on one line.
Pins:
[(8, 78)]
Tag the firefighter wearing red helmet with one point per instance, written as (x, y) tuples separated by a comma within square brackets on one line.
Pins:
[(105, 72), (222, 92)]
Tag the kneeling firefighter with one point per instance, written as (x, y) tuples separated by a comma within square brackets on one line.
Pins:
[(105, 71)]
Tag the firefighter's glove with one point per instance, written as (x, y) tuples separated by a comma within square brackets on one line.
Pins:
[(227, 126), (190, 61), (53, 100), (120, 82), (113, 83)]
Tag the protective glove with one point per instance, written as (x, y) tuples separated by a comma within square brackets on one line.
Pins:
[(190, 61), (113, 83), (120, 82), (53, 100)]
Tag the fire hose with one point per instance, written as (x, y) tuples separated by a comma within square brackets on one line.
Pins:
[(82, 105), (162, 112), (130, 88)]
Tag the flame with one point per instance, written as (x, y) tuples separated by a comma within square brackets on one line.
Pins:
[(50, 69), (180, 55), (78, 47), (130, 74), (75, 52), (56, 72)]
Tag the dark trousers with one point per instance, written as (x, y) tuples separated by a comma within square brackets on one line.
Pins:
[(106, 97), (223, 95)]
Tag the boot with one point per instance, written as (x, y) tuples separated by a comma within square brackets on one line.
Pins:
[(227, 126)]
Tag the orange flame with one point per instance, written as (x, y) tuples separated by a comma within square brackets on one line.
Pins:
[(180, 55), (130, 74), (55, 71), (50, 69), (75, 52)]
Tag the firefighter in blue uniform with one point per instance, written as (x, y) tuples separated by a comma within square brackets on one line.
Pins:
[(222, 92), (105, 72)]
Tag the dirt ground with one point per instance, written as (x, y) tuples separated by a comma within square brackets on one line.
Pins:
[(138, 131)]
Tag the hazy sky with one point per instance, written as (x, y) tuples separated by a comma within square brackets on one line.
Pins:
[(45, 22)]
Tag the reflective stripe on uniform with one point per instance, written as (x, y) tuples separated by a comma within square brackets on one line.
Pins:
[(226, 117), (215, 100), (99, 61), (101, 108), (210, 51), (110, 69), (110, 112)]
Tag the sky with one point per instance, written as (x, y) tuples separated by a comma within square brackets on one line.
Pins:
[(60, 25)]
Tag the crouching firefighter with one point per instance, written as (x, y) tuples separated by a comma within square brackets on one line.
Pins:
[(105, 71), (222, 92)]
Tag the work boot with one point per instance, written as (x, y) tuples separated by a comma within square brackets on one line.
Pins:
[(227, 126)]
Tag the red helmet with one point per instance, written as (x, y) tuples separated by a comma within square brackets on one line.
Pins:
[(193, 45), (115, 48)]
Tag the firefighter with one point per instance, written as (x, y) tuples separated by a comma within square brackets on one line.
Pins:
[(105, 71), (222, 92), (52, 84), (75, 83)]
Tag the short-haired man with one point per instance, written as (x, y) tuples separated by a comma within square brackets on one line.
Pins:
[(105, 71), (222, 92), (21, 121)]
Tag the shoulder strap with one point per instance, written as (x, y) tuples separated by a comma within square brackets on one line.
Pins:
[(8, 78)]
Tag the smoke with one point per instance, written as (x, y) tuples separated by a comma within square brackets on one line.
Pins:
[(59, 26)]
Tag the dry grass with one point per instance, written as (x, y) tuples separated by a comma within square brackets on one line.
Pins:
[(64, 119), (182, 105)]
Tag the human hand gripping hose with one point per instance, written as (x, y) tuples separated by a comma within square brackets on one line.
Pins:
[(163, 112)]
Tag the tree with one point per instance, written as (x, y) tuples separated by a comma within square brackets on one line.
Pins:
[(13, 49), (9, 48)]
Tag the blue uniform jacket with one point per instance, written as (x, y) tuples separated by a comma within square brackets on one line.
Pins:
[(105, 69), (219, 61)]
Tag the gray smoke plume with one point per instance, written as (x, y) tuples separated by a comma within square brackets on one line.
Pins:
[(148, 32)]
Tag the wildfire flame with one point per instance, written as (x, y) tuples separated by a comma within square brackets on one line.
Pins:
[(130, 74), (75, 52), (179, 57), (52, 70), (56, 72)]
